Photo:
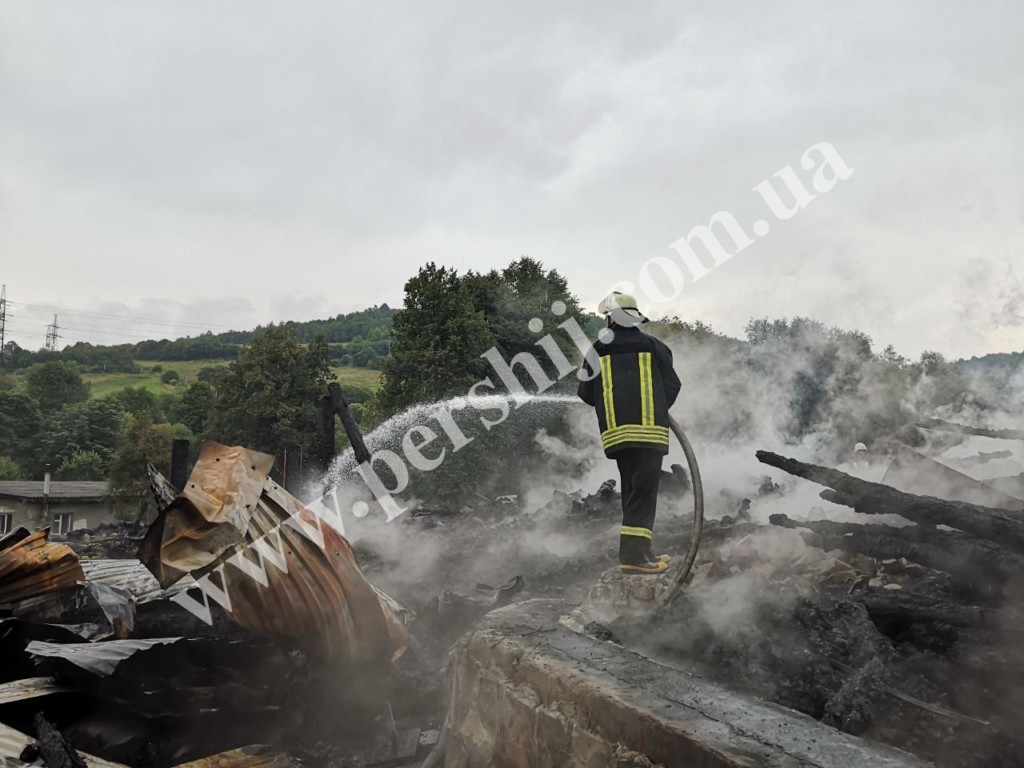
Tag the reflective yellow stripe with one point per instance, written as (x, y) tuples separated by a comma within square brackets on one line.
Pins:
[(628, 530), (635, 433), (634, 439), (652, 432), (646, 389), (643, 389), (635, 429), (650, 386), (609, 393)]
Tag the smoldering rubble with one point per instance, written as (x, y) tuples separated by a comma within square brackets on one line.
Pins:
[(880, 597)]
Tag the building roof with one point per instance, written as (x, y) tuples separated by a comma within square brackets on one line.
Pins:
[(60, 490)]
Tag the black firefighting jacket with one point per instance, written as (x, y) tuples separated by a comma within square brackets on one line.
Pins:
[(632, 391)]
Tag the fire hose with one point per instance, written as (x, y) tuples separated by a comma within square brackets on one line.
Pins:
[(437, 755), (698, 518)]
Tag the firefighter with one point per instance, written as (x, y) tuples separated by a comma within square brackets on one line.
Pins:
[(631, 394)]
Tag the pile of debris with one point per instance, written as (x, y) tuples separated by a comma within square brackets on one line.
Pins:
[(245, 634), (906, 632), (239, 629)]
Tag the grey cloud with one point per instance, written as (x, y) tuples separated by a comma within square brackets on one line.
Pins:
[(336, 146)]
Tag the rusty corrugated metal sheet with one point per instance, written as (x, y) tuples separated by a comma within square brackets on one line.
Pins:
[(228, 503), (31, 565), (130, 575), (243, 757)]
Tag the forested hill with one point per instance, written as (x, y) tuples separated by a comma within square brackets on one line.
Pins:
[(1007, 361), (338, 329), (364, 336), (360, 338)]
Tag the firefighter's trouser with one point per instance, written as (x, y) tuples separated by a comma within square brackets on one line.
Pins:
[(640, 473)]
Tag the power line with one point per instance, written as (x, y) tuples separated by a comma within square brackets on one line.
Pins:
[(23, 330), (141, 335), (47, 308), (22, 326), (25, 326)]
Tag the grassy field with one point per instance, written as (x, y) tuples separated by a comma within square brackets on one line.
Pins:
[(358, 377), (102, 384)]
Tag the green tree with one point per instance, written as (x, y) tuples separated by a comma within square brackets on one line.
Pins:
[(20, 424), (55, 384), (170, 377), (269, 399), (367, 357), (81, 465), (142, 443), (938, 381), (136, 400), (10, 469), (192, 407), (525, 291), (439, 337), (209, 372), (15, 358), (890, 356), (91, 426), (512, 298)]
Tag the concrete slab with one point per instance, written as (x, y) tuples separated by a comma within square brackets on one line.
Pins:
[(526, 691)]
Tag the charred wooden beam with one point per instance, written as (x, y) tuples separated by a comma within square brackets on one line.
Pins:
[(1001, 526), (335, 404), (837, 498), (963, 429), (954, 552), (179, 463), (55, 750), (977, 578), (292, 479), (900, 606)]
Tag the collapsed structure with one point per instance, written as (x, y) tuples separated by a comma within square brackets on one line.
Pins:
[(230, 511), (246, 633), (128, 659)]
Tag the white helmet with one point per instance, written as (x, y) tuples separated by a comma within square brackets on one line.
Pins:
[(623, 309)]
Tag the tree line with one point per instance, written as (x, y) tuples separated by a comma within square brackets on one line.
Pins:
[(360, 339), (791, 378), (267, 399)]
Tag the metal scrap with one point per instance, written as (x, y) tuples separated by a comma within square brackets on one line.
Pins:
[(99, 658), (320, 595), (117, 605), (106, 599), (31, 565)]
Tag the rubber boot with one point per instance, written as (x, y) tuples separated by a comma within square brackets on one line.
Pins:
[(657, 558), (644, 568), (634, 557)]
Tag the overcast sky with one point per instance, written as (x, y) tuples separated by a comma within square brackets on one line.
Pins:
[(223, 164)]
